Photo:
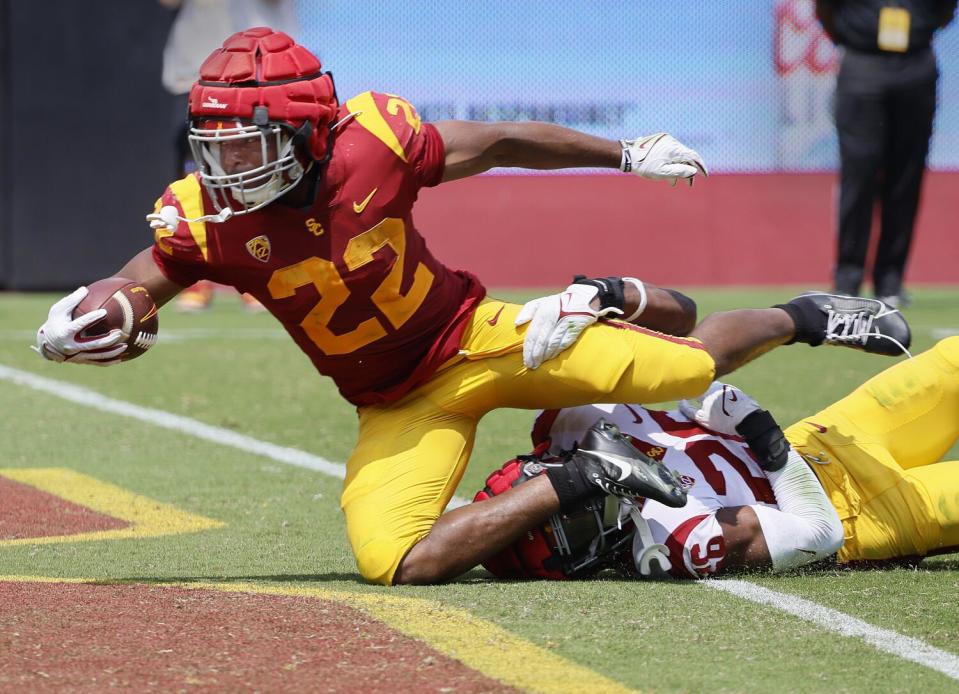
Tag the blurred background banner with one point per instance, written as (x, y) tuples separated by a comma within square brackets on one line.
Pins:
[(86, 133), (748, 83)]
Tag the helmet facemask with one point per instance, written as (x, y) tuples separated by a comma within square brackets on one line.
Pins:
[(269, 155), (590, 538)]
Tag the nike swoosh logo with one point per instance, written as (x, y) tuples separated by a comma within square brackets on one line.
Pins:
[(732, 398), (150, 314), (805, 551), (494, 319), (564, 302), (625, 469), (819, 427), (360, 206), (646, 141)]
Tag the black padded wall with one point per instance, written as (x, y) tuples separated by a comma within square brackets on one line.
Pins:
[(4, 145), (86, 144)]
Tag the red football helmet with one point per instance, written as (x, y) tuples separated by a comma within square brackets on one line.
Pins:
[(265, 94), (576, 544)]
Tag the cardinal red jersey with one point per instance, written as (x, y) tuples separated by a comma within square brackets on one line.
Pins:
[(718, 471), (349, 277)]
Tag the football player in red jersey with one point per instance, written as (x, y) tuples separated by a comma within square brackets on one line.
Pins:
[(305, 203)]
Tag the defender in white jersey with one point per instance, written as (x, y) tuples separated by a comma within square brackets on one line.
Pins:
[(863, 479), (718, 471)]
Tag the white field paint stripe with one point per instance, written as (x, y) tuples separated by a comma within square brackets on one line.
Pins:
[(180, 424), (881, 639)]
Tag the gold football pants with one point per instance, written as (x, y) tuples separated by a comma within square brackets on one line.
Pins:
[(877, 454), (411, 454)]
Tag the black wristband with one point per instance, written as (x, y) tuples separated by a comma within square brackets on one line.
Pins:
[(766, 439), (612, 292)]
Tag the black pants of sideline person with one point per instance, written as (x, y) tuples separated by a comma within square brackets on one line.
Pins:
[(885, 104)]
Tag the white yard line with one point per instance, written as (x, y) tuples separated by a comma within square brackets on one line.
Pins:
[(183, 425), (884, 640), (180, 424), (831, 620)]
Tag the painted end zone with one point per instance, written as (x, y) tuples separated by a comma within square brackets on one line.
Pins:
[(112, 513), (95, 637), (82, 635), (28, 512)]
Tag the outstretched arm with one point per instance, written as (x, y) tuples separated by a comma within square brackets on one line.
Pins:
[(142, 268), (473, 147)]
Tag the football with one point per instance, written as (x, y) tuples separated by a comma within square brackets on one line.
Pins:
[(129, 308)]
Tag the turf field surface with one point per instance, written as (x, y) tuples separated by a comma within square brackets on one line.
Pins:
[(225, 426)]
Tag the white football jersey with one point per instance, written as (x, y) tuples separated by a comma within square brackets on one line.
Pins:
[(718, 471)]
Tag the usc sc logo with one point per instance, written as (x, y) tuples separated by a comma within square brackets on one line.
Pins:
[(314, 227)]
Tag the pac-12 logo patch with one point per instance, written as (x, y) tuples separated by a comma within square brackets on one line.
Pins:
[(259, 248)]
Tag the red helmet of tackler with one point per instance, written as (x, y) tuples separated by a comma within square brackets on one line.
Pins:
[(577, 543), (260, 84)]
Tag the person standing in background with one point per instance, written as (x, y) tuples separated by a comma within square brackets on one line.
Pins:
[(885, 104), (199, 29)]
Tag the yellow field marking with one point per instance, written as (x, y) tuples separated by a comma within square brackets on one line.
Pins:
[(147, 517), (477, 643)]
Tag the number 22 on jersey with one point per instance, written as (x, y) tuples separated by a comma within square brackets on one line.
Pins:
[(396, 306)]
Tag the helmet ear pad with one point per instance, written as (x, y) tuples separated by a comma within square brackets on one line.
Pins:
[(302, 137)]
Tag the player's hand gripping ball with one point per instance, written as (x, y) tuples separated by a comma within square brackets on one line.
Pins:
[(110, 321)]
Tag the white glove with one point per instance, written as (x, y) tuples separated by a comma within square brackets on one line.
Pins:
[(661, 157), (720, 409), (556, 321), (57, 338)]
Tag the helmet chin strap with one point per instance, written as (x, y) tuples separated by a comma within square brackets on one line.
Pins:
[(168, 218), (650, 558), (345, 119)]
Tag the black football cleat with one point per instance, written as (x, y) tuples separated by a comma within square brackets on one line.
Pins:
[(860, 323), (617, 467)]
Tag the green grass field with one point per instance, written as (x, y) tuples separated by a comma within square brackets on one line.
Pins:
[(283, 525)]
